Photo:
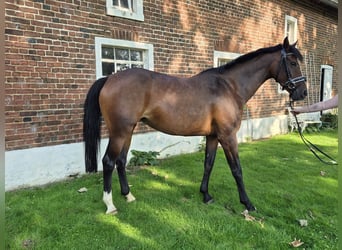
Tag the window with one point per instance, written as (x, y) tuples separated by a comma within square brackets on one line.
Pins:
[(118, 59), (291, 33), (113, 55), (291, 28), (131, 9), (221, 57)]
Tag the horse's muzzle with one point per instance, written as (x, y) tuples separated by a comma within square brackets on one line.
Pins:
[(299, 93), (297, 87)]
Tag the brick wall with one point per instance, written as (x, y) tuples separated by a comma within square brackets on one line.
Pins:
[(50, 56)]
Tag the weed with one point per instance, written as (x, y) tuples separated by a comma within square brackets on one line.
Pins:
[(141, 158)]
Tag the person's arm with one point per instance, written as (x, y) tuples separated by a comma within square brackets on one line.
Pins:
[(328, 104)]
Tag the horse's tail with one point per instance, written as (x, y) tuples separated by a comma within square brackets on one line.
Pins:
[(92, 125)]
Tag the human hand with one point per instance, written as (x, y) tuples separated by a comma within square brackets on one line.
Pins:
[(295, 111)]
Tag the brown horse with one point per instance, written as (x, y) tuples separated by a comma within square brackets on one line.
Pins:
[(208, 104)]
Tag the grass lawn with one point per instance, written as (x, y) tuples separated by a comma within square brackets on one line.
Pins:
[(284, 181)]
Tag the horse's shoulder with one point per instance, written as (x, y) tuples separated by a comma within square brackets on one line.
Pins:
[(217, 85)]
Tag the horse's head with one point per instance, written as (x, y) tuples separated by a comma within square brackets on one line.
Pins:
[(289, 75)]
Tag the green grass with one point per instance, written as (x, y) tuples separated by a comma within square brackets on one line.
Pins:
[(281, 176)]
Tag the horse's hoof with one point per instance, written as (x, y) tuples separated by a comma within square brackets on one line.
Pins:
[(251, 209), (112, 212), (130, 197), (207, 199), (210, 201)]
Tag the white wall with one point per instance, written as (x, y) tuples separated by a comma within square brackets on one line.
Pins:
[(42, 165)]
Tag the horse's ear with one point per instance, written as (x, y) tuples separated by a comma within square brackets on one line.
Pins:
[(286, 44)]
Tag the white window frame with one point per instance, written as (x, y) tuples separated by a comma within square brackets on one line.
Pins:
[(291, 20), (135, 12), (224, 55), (117, 43)]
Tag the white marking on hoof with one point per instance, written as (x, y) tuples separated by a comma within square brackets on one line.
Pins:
[(112, 211), (108, 200), (130, 197), (245, 212)]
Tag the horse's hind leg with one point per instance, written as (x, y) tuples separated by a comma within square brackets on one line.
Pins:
[(108, 167), (210, 153), (230, 148), (116, 153), (112, 156), (121, 167)]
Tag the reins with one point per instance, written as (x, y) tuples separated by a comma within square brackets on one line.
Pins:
[(312, 147)]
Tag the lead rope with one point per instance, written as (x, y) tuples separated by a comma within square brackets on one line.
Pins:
[(312, 147)]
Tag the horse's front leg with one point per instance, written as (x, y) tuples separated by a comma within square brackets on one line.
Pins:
[(210, 153), (230, 147)]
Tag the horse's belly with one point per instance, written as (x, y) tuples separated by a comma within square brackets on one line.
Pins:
[(180, 125)]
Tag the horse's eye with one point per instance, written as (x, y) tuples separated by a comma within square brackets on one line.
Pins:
[(293, 63)]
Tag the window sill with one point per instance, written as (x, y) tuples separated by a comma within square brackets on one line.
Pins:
[(111, 11)]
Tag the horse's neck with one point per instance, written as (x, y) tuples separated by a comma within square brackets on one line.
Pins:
[(251, 75)]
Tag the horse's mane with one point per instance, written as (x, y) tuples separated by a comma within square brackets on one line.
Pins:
[(253, 54)]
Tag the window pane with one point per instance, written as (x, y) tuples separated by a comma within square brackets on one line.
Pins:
[(136, 55), (290, 31), (222, 61), (107, 53), (122, 66), (121, 3), (124, 3), (132, 6), (107, 68), (137, 66), (121, 54)]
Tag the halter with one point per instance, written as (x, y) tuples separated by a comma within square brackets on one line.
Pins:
[(292, 83)]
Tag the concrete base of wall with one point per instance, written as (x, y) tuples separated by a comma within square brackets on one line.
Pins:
[(39, 166)]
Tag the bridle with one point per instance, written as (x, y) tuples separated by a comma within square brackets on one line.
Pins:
[(292, 83)]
